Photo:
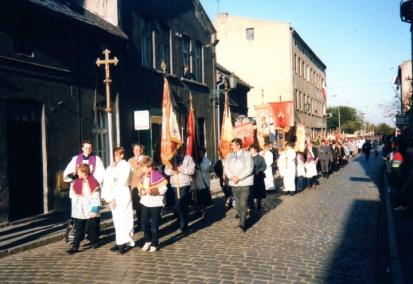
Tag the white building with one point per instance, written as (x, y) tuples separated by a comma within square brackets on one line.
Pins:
[(273, 58)]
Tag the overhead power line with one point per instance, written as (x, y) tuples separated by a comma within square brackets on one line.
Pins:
[(360, 86)]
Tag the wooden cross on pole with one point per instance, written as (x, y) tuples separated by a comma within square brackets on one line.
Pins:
[(107, 80)]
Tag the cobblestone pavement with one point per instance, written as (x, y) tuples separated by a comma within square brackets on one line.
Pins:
[(327, 235)]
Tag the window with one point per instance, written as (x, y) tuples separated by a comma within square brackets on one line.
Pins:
[(300, 66), (311, 75), (198, 68), (249, 33), (201, 132), (297, 100), (23, 40), (164, 47), (146, 44), (296, 63), (301, 101), (311, 106), (186, 56), (101, 138)]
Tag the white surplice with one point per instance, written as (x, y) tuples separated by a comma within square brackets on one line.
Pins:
[(269, 178), (116, 187), (287, 167), (79, 203)]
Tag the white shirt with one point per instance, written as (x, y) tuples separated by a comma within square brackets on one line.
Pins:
[(153, 200)]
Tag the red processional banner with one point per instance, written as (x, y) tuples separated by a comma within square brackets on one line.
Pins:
[(282, 114), (245, 132), (170, 138), (191, 134)]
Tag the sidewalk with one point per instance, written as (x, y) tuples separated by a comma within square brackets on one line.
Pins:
[(400, 241), (44, 229)]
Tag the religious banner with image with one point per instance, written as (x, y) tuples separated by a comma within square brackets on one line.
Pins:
[(170, 137), (283, 114), (263, 119), (244, 131), (300, 135)]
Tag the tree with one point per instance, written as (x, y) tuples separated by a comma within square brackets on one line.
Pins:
[(350, 119), (384, 129)]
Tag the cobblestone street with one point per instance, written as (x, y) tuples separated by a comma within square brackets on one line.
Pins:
[(326, 235)]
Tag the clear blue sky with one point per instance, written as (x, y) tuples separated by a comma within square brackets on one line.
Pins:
[(361, 41)]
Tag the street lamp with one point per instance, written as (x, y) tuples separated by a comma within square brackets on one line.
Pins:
[(338, 113), (230, 82)]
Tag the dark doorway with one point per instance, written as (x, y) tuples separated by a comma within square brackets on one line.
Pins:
[(24, 159), (156, 143)]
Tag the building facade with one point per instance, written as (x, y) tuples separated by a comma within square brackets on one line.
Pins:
[(405, 85), (278, 63), (182, 36), (52, 94), (50, 98)]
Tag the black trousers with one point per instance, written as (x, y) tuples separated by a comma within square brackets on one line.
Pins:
[(151, 220), (80, 229), (136, 204), (181, 207)]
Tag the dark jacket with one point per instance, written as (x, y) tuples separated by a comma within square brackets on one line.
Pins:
[(258, 188), (324, 153)]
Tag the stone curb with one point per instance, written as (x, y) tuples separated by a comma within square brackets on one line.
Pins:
[(396, 269)]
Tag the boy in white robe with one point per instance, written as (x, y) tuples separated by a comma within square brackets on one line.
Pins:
[(116, 191), (287, 167)]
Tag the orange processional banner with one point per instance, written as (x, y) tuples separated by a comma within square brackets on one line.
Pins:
[(300, 141), (282, 114), (226, 132), (170, 138)]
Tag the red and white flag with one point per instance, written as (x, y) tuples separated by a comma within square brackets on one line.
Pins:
[(191, 132), (282, 114), (171, 138)]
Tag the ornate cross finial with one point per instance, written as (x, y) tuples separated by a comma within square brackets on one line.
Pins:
[(163, 67), (107, 61)]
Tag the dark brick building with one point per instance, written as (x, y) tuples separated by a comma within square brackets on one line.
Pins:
[(52, 94)]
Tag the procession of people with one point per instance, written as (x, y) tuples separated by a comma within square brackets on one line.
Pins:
[(246, 176)]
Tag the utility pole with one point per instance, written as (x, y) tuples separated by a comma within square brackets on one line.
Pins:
[(339, 120), (262, 96)]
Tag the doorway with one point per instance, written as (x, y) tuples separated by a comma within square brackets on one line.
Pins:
[(24, 158)]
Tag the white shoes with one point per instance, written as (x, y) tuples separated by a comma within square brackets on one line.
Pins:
[(146, 246), (152, 249)]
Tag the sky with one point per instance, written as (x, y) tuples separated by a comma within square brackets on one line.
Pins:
[(362, 42)]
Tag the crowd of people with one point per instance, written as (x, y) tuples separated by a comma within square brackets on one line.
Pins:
[(398, 155), (133, 185), (246, 176)]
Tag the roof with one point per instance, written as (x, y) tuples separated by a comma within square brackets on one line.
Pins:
[(227, 72), (312, 53), (71, 9), (204, 16)]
